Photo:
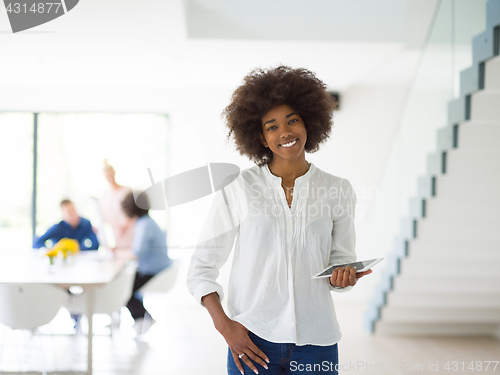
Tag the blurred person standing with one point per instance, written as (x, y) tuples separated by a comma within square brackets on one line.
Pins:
[(72, 226), (112, 212), (149, 247)]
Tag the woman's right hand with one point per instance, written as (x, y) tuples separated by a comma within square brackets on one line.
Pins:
[(236, 336)]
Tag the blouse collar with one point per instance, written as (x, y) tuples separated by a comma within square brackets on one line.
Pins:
[(277, 180)]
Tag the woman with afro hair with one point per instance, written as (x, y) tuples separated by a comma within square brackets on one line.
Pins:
[(287, 220)]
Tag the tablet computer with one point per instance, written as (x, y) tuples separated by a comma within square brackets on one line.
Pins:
[(361, 266)]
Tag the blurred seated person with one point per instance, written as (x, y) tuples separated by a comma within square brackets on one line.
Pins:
[(72, 226), (149, 247)]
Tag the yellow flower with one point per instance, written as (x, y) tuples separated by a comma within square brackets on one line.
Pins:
[(66, 246), (51, 253)]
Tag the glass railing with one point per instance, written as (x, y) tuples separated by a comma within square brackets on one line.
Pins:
[(447, 51)]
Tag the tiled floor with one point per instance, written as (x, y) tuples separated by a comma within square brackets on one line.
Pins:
[(184, 342)]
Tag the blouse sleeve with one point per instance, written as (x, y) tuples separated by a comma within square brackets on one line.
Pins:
[(214, 246), (343, 233)]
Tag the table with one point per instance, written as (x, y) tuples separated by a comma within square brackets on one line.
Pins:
[(89, 269)]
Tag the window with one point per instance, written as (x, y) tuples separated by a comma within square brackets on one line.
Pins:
[(16, 179), (71, 148)]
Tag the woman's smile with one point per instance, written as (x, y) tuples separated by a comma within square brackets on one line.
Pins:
[(284, 132), (289, 144)]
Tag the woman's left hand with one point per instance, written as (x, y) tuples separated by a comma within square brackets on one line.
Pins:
[(346, 276)]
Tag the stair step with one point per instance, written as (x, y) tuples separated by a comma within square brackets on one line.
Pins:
[(411, 266), (477, 134), (438, 315), (469, 80), (464, 199), (467, 161), (493, 20), (425, 186), (435, 329), (459, 201), (437, 284), (484, 105), (482, 47), (449, 211), (443, 300), (473, 163), (456, 111), (492, 73), (452, 249), (436, 230)]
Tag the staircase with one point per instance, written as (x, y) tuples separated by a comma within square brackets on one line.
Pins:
[(444, 274)]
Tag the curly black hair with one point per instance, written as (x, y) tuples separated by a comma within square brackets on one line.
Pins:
[(265, 89), (131, 209)]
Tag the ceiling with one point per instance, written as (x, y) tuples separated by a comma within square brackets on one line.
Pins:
[(168, 45), (339, 20)]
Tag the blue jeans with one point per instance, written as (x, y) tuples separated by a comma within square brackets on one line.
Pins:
[(290, 359)]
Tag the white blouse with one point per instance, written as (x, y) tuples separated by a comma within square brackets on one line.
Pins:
[(277, 251)]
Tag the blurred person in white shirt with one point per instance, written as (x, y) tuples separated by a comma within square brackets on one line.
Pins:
[(112, 212)]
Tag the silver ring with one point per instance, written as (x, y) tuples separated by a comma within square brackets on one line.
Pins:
[(241, 355)]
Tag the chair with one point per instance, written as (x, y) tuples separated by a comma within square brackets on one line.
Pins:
[(163, 281), (29, 306), (108, 299)]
